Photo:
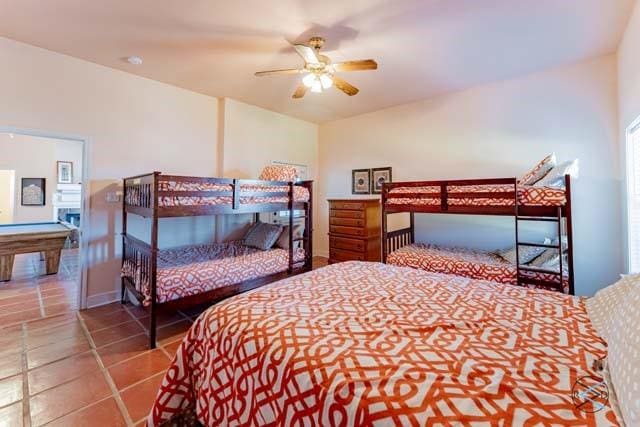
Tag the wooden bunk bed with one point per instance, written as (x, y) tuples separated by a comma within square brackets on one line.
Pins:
[(501, 196), (156, 196)]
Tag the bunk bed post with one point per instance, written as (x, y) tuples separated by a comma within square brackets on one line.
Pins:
[(412, 226), (569, 231), (236, 194), (154, 261), (309, 227), (383, 197), (516, 212), (124, 242), (290, 206)]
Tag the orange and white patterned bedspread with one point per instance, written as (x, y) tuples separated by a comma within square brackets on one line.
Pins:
[(191, 270), (360, 343), (464, 262), (527, 195), (300, 194)]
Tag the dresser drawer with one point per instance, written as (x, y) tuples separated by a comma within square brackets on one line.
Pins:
[(353, 206), (342, 255), (348, 244), (351, 222), (333, 213), (352, 231)]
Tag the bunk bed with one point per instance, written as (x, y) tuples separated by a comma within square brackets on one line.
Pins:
[(176, 278), (502, 197)]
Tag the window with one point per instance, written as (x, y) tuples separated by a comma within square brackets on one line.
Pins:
[(633, 196)]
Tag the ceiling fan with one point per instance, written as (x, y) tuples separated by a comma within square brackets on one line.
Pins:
[(320, 71)]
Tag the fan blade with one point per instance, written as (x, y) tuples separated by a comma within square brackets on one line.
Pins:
[(345, 86), (307, 53), (285, 71), (300, 91), (360, 65)]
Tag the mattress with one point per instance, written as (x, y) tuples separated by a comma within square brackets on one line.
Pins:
[(300, 194), (467, 263), (527, 195), (192, 270), (360, 343)]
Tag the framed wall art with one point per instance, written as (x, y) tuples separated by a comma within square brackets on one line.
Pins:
[(361, 181), (65, 172), (378, 177), (33, 191)]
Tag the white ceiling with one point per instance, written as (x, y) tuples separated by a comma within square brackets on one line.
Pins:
[(423, 47)]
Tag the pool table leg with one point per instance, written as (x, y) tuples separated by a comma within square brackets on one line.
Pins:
[(6, 266), (52, 259)]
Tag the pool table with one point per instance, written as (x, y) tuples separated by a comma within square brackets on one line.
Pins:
[(45, 237)]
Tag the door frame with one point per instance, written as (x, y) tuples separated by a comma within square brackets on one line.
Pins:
[(85, 222), (12, 192)]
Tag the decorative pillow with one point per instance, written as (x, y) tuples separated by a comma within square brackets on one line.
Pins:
[(527, 253), (539, 171), (549, 253), (250, 229), (604, 304), (263, 236), (555, 177), (283, 240), (279, 173), (623, 356)]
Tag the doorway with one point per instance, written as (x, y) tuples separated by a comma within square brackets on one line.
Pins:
[(42, 192), (7, 188)]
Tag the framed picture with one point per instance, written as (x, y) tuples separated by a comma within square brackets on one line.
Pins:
[(378, 177), (65, 172), (361, 181), (33, 191)]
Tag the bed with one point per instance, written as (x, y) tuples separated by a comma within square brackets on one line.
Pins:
[(475, 264), (360, 343), (192, 270)]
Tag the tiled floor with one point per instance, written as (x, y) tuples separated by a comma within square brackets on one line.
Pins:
[(91, 368)]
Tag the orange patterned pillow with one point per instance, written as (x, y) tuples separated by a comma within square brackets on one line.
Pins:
[(539, 171), (279, 173)]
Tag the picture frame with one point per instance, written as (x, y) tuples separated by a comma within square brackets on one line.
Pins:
[(65, 172), (361, 181), (33, 191), (379, 176)]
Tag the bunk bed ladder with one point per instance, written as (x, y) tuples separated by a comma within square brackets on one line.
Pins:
[(520, 267)]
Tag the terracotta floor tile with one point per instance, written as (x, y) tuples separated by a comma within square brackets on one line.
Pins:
[(137, 310), (139, 398), (52, 352), (116, 333), (32, 304), (10, 364), (105, 320), (10, 390), (137, 369), (52, 321), (53, 334), (21, 316), (68, 397), (60, 309), (123, 350), (104, 413), (108, 308), (53, 374), (20, 299), (11, 416), (173, 332), (172, 347)]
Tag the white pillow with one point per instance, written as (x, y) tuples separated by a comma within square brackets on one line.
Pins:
[(527, 253), (623, 357), (555, 177), (539, 170), (602, 307)]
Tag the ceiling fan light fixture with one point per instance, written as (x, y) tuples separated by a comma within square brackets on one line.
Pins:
[(317, 86), (326, 81), (309, 79)]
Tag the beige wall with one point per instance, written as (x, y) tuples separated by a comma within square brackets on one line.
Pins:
[(34, 157), (497, 130), (628, 95), (135, 125)]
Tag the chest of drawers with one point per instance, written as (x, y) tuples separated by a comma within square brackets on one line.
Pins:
[(354, 230)]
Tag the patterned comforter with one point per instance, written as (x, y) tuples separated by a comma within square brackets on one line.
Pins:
[(465, 262), (371, 344), (527, 195), (300, 194), (191, 270)]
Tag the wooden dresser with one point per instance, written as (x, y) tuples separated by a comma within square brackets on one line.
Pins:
[(354, 230)]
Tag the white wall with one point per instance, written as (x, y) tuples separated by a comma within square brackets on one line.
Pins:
[(135, 126), (628, 92), (497, 130)]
